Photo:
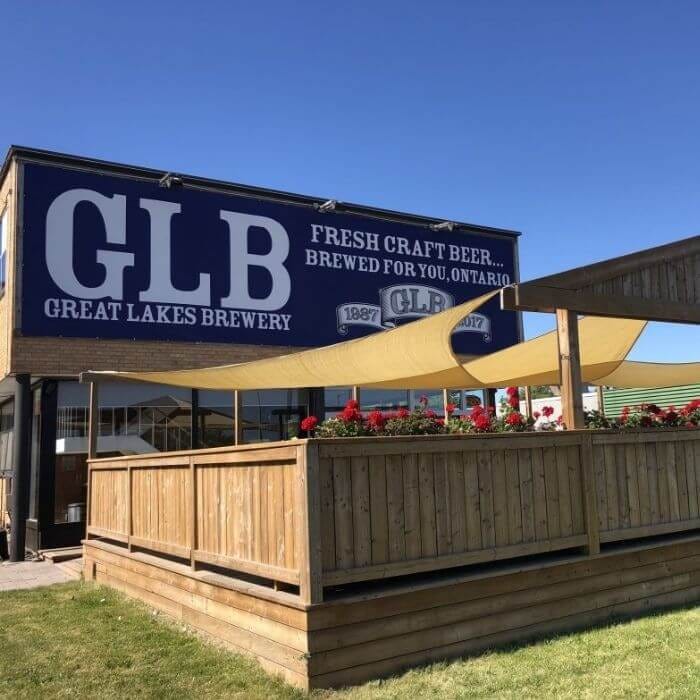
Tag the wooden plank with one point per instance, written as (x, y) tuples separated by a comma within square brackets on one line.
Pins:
[(419, 444), (527, 494), (427, 505), (690, 468), (473, 500), (480, 584), (500, 498), (652, 483), (600, 484), (325, 469), (488, 533), (622, 487), (270, 571), (682, 478), (362, 535), (589, 487), (651, 530), (552, 492), (442, 504), (565, 505), (395, 509), (576, 486), (456, 489), (378, 509), (427, 618), (342, 500), (662, 478), (632, 481), (539, 495), (531, 297), (673, 491), (515, 518), (411, 506), (402, 568)]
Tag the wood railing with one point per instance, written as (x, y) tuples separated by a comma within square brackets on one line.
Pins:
[(240, 509), (315, 513)]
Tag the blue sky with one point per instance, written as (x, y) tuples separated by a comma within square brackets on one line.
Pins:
[(575, 123)]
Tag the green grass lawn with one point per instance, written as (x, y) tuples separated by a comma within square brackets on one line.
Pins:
[(83, 641)]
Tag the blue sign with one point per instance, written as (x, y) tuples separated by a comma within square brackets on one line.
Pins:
[(110, 256)]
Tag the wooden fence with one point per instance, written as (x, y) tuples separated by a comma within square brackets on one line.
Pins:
[(241, 509), (315, 513)]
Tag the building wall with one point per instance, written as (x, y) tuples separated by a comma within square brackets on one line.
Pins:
[(8, 199), (51, 356), (70, 356), (616, 399)]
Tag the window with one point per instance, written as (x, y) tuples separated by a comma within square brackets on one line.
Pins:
[(216, 418), (273, 414)]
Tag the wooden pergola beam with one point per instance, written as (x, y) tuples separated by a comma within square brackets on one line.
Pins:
[(530, 297)]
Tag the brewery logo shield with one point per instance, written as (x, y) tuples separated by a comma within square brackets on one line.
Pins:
[(402, 302)]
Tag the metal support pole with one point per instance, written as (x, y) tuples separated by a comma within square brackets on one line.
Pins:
[(93, 420), (237, 417), (22, 465), (194, 421)]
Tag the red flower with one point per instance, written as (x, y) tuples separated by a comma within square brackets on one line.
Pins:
[(376, 420), (403, 413), (450, 408), (536, 415), (353, 403), (481, 422), (350, 414), (430, 413), (512, 391), (440, 421), (514, 419), (309, 423), (547, 411), (514, 401)]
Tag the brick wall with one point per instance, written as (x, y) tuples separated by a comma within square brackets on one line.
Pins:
[(70, 356)]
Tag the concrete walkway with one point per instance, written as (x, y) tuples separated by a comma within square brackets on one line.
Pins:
[(32, 574)]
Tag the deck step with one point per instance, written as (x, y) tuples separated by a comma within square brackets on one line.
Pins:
[(73, 567), (61, 555)]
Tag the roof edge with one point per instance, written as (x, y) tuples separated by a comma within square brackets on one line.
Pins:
[(16, 152)]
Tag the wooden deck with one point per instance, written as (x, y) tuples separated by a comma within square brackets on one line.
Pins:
[(334, 561)]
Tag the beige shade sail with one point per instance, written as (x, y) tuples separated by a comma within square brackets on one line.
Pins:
[(648, 375), (604, 343), (393, 358), (419, 355)]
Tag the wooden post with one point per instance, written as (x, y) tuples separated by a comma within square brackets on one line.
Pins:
[(355, 394), (93, 420), (310, 559), (601, 400), (590, 501), (570, 369), (237, 418), (445, 401), (528, 402), (193, 514)]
